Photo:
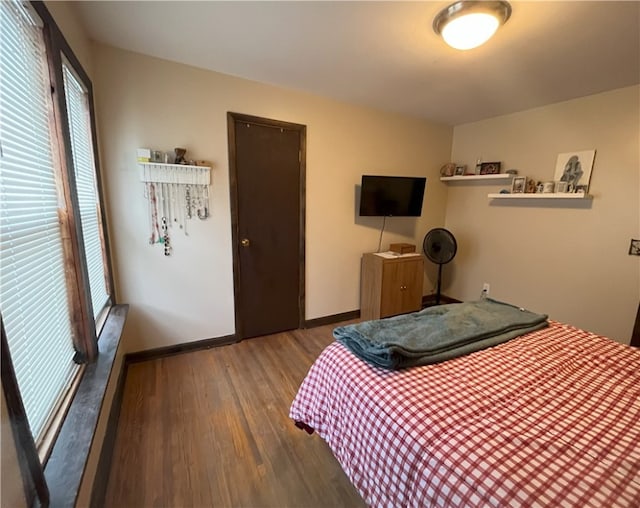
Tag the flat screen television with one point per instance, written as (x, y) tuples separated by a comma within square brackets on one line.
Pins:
[(391, 196)]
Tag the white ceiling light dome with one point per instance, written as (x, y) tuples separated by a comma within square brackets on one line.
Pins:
[(468, 24)]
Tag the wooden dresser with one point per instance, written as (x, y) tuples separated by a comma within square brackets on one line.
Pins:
[(390, 285)]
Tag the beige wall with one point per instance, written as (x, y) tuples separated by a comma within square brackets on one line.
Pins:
[(569, 261), (147, 102)]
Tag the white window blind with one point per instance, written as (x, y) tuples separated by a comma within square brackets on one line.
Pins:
[(33, 295), (85, 176)]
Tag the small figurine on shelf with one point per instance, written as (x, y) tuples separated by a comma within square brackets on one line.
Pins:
[(180, 153), (448, 169)]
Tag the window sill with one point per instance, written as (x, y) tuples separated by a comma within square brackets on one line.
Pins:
[(66, 464)]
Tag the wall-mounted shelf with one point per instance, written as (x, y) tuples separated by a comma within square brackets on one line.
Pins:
[(174, 173), (499, 177), (549, 195)]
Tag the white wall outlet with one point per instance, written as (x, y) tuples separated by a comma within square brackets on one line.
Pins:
[(486, 287)]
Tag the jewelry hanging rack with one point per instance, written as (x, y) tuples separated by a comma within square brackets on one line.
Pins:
[(176, 193)]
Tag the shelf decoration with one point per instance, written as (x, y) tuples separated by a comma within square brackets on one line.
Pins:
[(574, 168), (176, 193)]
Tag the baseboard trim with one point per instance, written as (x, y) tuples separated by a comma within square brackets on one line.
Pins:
[(334, 318), (430, 300), (176, 349)]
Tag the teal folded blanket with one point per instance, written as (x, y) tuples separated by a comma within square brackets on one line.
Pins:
[(438, 333)]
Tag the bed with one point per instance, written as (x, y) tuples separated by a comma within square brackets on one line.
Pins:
[(550, 418)]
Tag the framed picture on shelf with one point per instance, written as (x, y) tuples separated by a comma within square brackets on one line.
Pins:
[(518, 184), (490, 168), (575, 169), (459, 171)]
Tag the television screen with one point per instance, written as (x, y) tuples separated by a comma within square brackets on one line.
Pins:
[(391, 196)]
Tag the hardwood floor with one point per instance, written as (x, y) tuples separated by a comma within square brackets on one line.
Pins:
[(211, 428)]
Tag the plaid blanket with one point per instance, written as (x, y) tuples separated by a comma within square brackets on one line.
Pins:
[(551, 418)]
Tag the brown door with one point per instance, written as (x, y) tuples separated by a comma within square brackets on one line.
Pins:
[(267, 205)]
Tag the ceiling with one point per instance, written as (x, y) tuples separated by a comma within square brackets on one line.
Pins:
[(385, 54)]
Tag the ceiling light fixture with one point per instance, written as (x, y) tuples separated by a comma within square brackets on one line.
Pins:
[(468, 23)]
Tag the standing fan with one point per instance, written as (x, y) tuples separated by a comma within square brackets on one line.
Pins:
[(440, 247)]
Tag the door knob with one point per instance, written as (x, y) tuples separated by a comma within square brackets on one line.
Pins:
[(245, 242)]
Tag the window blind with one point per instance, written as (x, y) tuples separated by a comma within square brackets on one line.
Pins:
[(33, 295), (84, 169)]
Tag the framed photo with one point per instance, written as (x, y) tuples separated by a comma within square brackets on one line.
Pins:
[(459, 171), (518, 184), (575, 169), (530, 186), (490, 168)]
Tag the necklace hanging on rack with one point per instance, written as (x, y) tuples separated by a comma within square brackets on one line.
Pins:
[(165, 202), (184, 210), (165, 237), (203, 192), (174, 194), (155, 229), (188, 201)]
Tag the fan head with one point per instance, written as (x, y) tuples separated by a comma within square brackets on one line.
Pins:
[(439, 246)]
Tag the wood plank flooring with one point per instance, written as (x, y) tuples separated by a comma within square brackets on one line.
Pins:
[(211, 428)]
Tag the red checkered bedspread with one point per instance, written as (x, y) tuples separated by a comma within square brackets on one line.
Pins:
[(551, 418)]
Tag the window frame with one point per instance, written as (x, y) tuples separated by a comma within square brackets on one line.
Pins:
[(86, 328)]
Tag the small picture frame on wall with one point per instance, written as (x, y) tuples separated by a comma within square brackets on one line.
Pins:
[(490, 168), (518, 185)]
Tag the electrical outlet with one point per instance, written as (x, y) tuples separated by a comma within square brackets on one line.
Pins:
[(486, 287)]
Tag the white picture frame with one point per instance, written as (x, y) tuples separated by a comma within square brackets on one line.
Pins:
[(575, 169), (518, 184)]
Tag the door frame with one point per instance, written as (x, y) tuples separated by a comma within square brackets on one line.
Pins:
[(232, 118)]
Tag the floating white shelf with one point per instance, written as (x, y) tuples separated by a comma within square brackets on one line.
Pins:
[(548, 195), (500, 176), (174, 173)]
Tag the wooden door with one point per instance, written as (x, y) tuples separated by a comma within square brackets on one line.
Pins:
[(267, 206)]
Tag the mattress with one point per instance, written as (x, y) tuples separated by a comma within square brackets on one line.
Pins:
[(551, 418)]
